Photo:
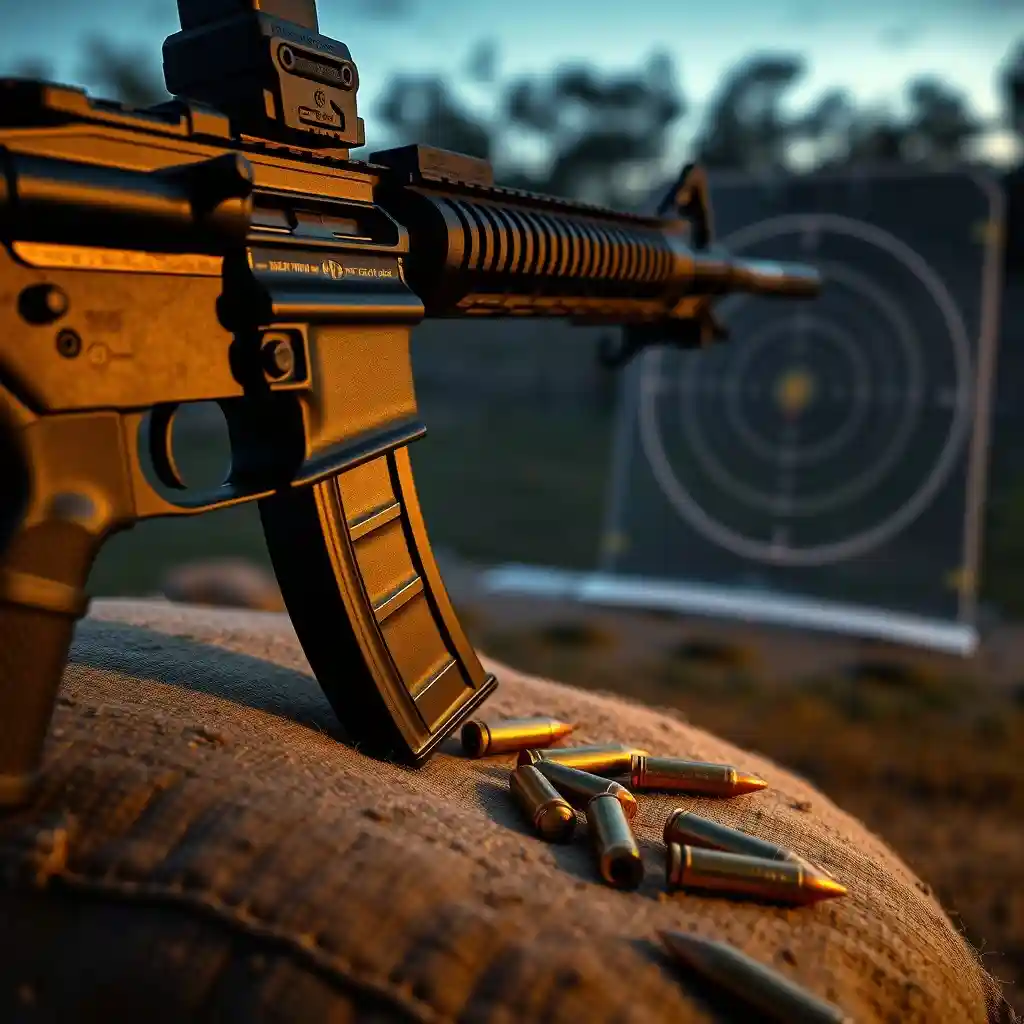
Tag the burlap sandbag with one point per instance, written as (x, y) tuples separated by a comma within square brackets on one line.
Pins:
[(205, 849)]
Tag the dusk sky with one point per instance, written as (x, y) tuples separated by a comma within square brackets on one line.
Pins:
[(870, 47)]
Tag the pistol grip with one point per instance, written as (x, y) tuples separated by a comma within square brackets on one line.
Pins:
[(37, 619), (366, 599), (78, 492)]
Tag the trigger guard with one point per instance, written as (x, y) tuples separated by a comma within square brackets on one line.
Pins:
[(160, 442)]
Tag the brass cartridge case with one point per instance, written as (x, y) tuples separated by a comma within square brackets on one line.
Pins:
[(675, 775), (688, 829), (615, 759), (546, 809), (579, 788), (618, 855), (759, 986), (480, 738), (794, 882)]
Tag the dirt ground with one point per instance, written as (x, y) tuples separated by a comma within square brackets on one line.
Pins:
[(784, 654)]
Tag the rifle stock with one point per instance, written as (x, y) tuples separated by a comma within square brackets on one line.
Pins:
[(230, 251)]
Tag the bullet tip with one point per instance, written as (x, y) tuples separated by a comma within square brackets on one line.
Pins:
[(628, 801), (824, 886), (746, 782)]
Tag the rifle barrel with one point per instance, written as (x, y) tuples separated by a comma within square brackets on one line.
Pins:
[(719, 274)]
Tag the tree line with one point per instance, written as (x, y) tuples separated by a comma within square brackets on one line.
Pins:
[(604, 136), (608, 137)]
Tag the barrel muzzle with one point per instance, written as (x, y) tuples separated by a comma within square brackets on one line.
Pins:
[(768, 277)]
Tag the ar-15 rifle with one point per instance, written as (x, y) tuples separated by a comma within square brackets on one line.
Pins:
[(223, 247)]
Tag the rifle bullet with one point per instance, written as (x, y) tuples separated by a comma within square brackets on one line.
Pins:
[(603, 760), (756, 984), (480, 738), (796, 882), (618, 855), (688, 829), (675, 775), (579, 787), (548, 811)]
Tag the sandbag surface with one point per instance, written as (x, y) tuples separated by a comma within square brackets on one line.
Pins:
[(204, 848)]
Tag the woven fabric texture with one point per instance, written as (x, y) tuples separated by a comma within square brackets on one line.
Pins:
[(205, 849)]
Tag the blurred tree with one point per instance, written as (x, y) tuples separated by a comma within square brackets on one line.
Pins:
[(940, 123), (606, 136), (125, 75), (830, 118), (482, 63), (424, 108), (876, 136), (935, 131), (745, 127), (826, 128), (602, 137)]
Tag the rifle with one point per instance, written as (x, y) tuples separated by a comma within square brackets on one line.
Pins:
[(224, 247)]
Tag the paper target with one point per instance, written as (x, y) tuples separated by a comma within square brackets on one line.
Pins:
[(831, 447), (805, 417)]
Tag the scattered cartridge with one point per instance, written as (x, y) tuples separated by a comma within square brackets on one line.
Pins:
[(795, 882), (579, 788), (480, 739), (688, 829), (677, 776), (618, 855), (547, 810), (760, 987), (604, 760)]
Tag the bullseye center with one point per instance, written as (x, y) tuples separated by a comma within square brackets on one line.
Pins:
[(794, 391)]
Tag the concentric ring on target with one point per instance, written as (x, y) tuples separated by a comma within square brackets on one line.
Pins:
[(827, 446), (939, 470), (787, 504)]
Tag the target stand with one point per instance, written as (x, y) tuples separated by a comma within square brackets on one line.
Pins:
[(825, 468)]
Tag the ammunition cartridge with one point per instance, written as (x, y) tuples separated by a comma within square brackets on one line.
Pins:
[(796, 882), (579, 788), (604, 760), (687, 829), (480, 738), (759, 986), (679, 776), (546, 809), (618, 856)]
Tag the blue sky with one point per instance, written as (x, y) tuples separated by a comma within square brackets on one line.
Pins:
[(868, 46)]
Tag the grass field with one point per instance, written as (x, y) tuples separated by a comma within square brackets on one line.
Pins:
[(501, 483), (496, 484)]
